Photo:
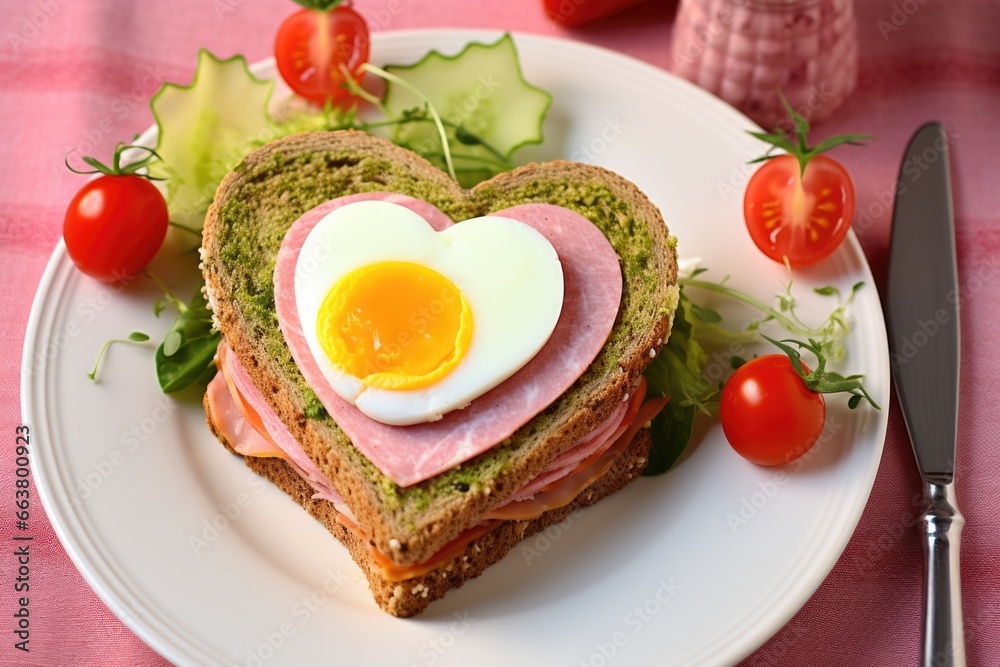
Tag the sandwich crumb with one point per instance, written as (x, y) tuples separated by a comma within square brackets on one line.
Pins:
[(648, 424), (640, 461), (420, 590), (398, 591), (652, 353), (659, 341), (394, 544)]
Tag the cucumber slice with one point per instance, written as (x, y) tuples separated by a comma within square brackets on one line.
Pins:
[(480, 90), (205, 129)]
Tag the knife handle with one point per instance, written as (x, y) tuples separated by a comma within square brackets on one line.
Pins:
[(944, 636)]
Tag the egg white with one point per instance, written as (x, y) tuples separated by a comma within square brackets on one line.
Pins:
[(507, 271)]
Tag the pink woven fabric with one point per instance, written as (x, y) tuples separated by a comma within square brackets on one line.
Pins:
[(78, 73)]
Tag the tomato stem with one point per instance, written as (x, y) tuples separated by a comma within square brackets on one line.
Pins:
[(821, 380), (116, 168), (795, 143), (321, 5)]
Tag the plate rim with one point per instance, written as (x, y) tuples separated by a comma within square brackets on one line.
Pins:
[(113, 588)]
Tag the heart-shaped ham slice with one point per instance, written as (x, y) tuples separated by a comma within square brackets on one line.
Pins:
[(501, 272), (410, 454)]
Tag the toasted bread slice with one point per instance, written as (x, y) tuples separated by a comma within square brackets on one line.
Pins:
[(409, 597), (274, 185)]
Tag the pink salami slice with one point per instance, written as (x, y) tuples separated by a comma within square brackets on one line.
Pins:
[(410, 454)]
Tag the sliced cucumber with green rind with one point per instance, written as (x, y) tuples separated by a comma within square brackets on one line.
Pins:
[(482, 90), (205, 128)]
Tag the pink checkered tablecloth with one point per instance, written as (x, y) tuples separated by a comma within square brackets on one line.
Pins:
[(78, 72)]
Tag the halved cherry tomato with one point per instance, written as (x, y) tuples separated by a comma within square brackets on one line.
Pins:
[(768, 414), (315, 46), (801, 218)]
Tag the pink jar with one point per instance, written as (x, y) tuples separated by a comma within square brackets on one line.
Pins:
[(744, 50)]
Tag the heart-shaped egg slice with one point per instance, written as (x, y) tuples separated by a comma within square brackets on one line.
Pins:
[(408, 323)]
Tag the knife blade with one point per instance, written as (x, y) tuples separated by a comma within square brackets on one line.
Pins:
[(922, 308)]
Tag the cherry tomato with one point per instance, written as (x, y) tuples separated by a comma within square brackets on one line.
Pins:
[(801, 218), (768, 414), (114, 226), (313, 47)]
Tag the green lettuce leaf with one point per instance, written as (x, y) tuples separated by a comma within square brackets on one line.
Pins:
[(187, 354), (678, 372)]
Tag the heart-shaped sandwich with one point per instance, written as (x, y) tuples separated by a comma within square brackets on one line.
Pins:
[(434, 373)]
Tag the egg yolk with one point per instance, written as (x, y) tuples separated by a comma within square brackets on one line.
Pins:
[(395, 325)]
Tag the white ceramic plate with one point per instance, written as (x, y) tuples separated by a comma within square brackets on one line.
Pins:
[(211, 566)]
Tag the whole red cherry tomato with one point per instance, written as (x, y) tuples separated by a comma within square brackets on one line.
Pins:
[(116, 223), (768, 414)]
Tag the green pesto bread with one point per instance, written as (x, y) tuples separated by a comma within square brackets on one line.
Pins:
[(274, 185)]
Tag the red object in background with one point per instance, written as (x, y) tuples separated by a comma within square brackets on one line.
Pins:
[(574, 12)]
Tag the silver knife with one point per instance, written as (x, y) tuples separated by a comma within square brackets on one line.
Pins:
[(922, 307)]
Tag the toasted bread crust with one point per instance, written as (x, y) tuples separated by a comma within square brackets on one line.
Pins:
[(421, 534), (411, 596)]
